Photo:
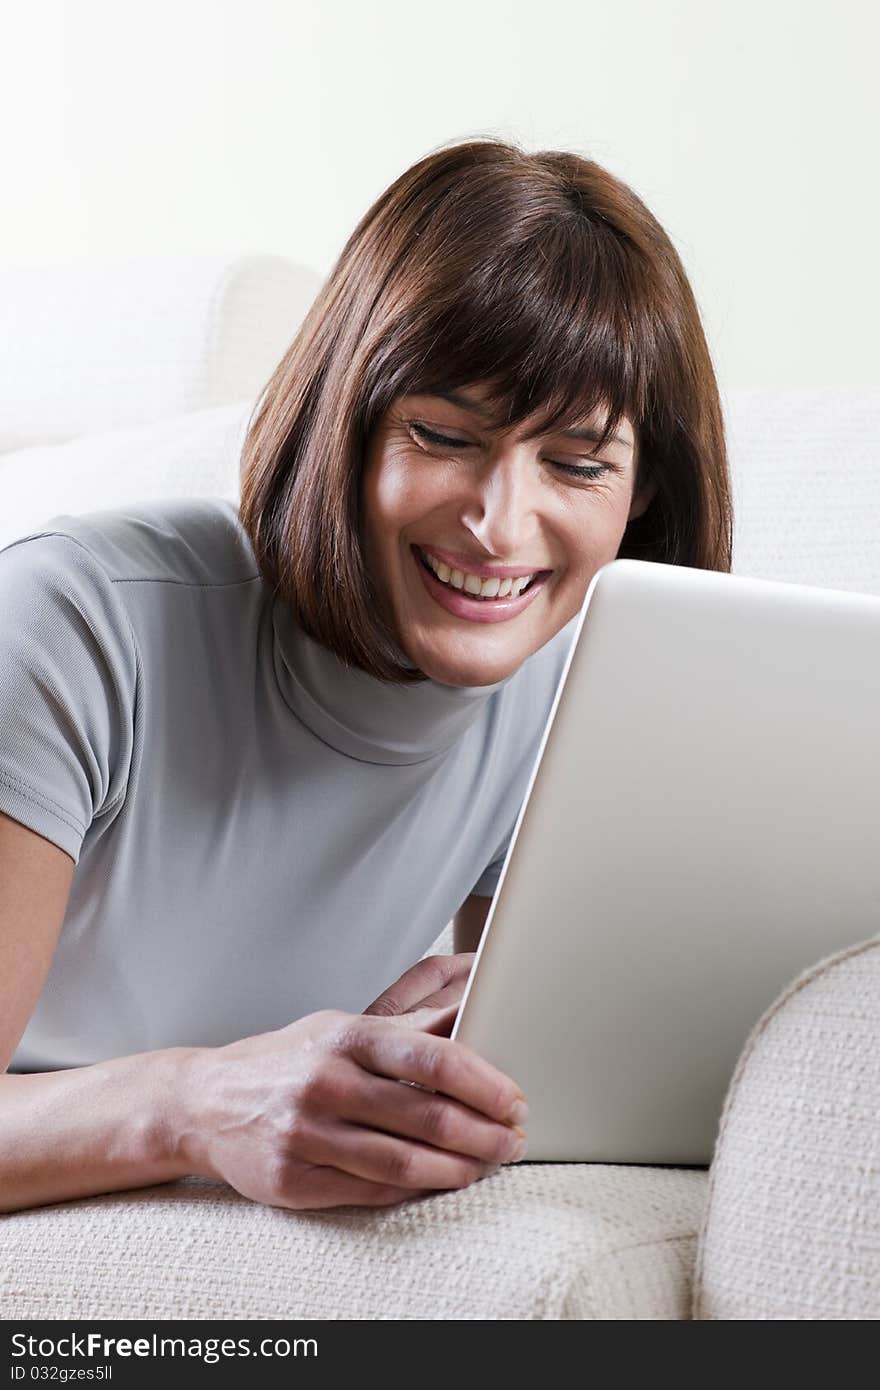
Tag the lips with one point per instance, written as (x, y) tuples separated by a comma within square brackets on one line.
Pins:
[(477, 610), (456, 561), (421, 559)]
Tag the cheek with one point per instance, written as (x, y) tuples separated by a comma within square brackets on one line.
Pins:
[(396, 495), (592, 534)]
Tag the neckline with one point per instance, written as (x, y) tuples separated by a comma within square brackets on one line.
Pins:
[(355, 713)]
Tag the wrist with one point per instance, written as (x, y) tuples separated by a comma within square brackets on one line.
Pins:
[(176, 1134)]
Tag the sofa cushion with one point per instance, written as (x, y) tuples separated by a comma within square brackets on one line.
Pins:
[(196, 454), (535, 1241), (792, 1228), (805, 472)]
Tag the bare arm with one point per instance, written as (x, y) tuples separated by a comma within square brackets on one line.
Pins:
[(86, 1130), (67, 1133), (311, 1115), (35, 879), (467, 927)]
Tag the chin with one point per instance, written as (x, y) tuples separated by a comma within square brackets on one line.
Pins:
[(464, 670)]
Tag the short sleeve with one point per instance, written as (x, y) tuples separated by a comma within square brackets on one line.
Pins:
[(68, 684)]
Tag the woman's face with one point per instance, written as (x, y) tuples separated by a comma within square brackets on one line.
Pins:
[(451, 506)]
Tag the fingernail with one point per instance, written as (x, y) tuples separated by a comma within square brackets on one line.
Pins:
[(519, 1114), (519, 1150), (513, 1145)]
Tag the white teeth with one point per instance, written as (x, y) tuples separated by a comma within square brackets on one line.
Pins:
[(475, 586)]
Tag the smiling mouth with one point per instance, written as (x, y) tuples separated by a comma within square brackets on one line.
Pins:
[(509, 594)]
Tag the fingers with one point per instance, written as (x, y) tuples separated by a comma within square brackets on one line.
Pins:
[(411, 1112), (437, 1063), (315, 1187), (426, 983), (387, 1160)]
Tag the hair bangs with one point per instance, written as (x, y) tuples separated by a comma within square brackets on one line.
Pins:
[(549, 339)]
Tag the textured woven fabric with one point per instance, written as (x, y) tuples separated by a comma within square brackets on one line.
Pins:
[(792, 1228), (538, 1241), (99, 346)]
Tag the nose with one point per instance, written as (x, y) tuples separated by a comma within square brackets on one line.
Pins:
[(499, 509)]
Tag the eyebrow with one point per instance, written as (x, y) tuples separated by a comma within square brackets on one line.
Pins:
[(592, 436)]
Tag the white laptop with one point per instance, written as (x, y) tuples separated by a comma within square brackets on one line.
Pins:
[(702, 824)]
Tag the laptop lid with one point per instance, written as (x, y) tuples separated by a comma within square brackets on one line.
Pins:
[(702, 823)]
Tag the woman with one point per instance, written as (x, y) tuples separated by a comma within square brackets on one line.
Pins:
[(252, 760)]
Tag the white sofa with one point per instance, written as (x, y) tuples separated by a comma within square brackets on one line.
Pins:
[(135, 380)]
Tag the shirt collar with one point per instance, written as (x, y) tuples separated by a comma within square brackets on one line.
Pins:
[(359, 715)]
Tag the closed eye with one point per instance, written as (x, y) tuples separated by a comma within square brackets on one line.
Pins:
[(593, 470)]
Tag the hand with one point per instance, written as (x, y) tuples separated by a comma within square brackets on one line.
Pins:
[(314, 1115), (427, 996)]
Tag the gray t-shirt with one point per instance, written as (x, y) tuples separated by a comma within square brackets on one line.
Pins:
[(259, 830)]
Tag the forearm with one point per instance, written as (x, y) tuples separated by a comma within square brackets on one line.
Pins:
[(94, 1129)]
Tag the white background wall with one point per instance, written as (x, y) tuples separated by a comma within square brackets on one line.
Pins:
[(751, 132)]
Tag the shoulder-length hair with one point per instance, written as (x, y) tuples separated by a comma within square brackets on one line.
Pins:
[(541, 274)]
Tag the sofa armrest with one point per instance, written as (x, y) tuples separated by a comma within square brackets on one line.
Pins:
[(533, 1241), (792, 1226)]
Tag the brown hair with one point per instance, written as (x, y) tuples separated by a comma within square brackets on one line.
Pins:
[(540, 273)]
